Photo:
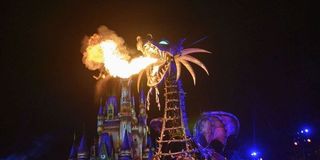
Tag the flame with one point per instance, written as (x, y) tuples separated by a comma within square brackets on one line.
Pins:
[(107, 54)]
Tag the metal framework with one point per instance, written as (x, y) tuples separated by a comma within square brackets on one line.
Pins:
[(173, 142)]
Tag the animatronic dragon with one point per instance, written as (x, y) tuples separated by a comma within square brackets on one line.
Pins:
[(174, 141)]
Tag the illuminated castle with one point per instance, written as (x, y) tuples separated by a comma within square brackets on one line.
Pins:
[(122, 135)]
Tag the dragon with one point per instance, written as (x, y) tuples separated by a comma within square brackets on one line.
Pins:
[(174, 130)]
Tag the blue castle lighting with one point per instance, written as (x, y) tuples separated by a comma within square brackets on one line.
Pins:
[(122, 134)]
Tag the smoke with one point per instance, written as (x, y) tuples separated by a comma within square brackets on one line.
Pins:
[(95, 61)]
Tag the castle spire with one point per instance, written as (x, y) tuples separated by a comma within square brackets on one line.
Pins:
[(100, 118), (142, 98), (100, 112), (83, 153), (125, 149), (125, 144), (142, 110), (105, 148), (73, 150)]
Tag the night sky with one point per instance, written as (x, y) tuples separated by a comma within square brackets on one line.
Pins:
[(264, 68)]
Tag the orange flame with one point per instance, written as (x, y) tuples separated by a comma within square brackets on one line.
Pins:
[(110, 55)]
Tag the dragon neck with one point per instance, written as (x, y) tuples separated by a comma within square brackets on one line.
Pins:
[(176, 88)]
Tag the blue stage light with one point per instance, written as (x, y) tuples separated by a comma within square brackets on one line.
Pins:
[(254, 154)]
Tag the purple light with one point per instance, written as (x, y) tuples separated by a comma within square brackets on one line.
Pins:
[(295, 143)]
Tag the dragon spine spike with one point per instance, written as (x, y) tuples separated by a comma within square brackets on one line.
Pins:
[(189, 68), (193, 50), (178, 66), (195, 61)]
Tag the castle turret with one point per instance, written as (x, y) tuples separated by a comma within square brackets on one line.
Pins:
[(83, 153), (100, 118), (142, 110), (125, 149), (111, 108), (73, 150)]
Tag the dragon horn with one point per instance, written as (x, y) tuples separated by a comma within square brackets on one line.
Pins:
[(178, 66), (189, 68), (195, 61), (193, 50)]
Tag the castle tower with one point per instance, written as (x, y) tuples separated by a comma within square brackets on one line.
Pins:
[(73, 150), (100, 118), (83, 153), (125, 149), (112, 124), (125, 114)]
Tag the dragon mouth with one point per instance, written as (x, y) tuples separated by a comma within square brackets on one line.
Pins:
[(156, 73)]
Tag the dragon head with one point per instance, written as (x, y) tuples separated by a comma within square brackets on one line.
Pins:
[(156, 71), (167, 54)]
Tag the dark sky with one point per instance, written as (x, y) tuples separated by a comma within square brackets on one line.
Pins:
[(264, 67)]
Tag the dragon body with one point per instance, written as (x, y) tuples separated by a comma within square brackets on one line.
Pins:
[(175, 141)]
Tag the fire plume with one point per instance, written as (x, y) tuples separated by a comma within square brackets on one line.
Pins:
[(106, 52)]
